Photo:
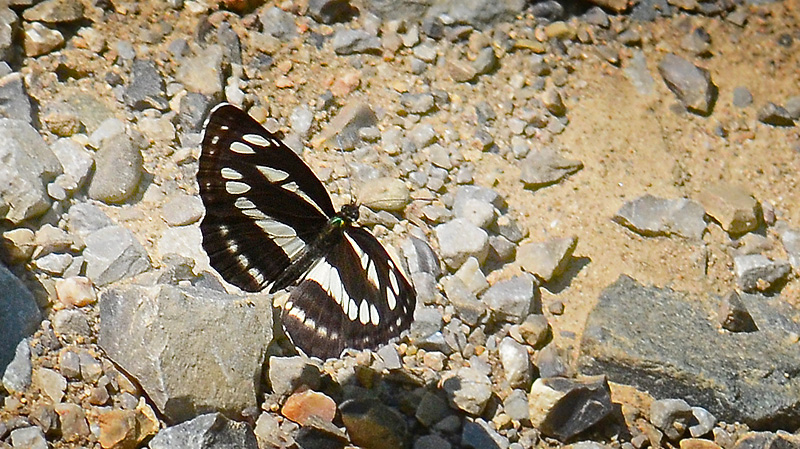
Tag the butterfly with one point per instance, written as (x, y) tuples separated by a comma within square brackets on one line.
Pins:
[(270, 225)]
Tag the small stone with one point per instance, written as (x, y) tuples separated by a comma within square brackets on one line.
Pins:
[(466, 304), (793, 107), (76, 291), (301, 406), (431, 409), (182, 210), (652, 216), (390, 194), (371, 424), (203, 73), (755, 272), (535, 330), (28, 438), (113, 253), (50, 383), (118, 168), (18, 373), (145, 88), (209, 427), (732, 206), (53, 264), (347, 41), (486, 61), (468, 389), (742, 97), (516, 363), (545, 167), (461, 71), (511, 300), (734, 316), (46, 418), (55, 11), (117, 429), (705, 422), (40, 40), (775, 115), (431, 442), (459, 240), (77, 163), (15, 103), (18, 244), (671, 416), (697, 443), (288, 374), (69, 363), (553, 102), (71, 323), (516, 405), (691, 84), (562, 408), (330, 11), (547, 260)]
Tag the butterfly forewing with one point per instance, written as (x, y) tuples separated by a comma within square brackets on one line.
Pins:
[(355, 297), (270, 223)]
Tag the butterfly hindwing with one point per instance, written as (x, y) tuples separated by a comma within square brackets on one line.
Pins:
[(354, 297), (263, 204)]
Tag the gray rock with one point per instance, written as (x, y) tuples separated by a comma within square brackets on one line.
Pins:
[(704, 422), (431, 409), (420, 257), (155, 333), (423, 135), (501, 249), (9, 23), (790, 238), (118, 168), (472, 277), (203, 73), (516, 363), (17, 375), (347, 42), (516, 405), (278, 23), (420, 103), (775, 115), (467, 306), (55, 11), (486, 61), (194, 109), (733, 315), (793, 107), (755, 272), (342, 131), (637, 72), (460, 240), (76, 161), (182, 210), (476, 434), (545, 167), (511, 300), (563, 408), (15, 103), (209, 431), (145, 88), (427, 321), (19, 315), (54, 263), (477, 13), (287, 374), (69, 364), (28, 438), (106, 129), (652, 216), (71, 323), (671, 416), (301, 120), (691, 84), (662, 342), (596, 16), (113, 253), (468, 389), (742, 97), (368, 421), (432, 441), (331, 11), (547, 260), (85, 218), (754, 440), (28, 164)]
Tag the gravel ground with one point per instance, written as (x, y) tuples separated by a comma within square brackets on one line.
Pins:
[(597, 207)]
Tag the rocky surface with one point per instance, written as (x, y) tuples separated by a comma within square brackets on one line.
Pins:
[(595, 201)]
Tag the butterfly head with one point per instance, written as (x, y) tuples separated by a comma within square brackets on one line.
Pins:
[(349, 213)]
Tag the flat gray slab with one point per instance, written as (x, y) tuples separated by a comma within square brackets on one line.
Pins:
[(193, 350), (665, 343)]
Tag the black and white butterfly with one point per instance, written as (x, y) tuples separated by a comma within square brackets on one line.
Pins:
[(270, 224)]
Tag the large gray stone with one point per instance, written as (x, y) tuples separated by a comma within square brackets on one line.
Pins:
[(210, 431), (662, 342), (19, 316), (192, 350)]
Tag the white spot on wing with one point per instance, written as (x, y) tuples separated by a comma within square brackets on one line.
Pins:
[(294, 188), (363, 312), (391, 299), (255, 214), (372, 275), (272, 174), (374, 317), (352, 311), (236, 187), (256, 139), (276, 228), (229, 173), (393, 281), (242, 148), (244, 203)]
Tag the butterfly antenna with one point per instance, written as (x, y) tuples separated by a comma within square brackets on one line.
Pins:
[(347, 168)]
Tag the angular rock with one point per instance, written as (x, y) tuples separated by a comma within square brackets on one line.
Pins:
[(18, 373), (73, 422), (28, 164), (40, 40), (547, 260), (155, 333), (194, 109), (772, 114), (511, 300), (734, 316), (466, 304), (15, 103), (55, 11), (203, 73), (767, 440), (304, 406), (373, 425), (562, 408), (118, 168), (77, 163), (19, 318), (113, 253), (390, 194), (546, 167), (671, 416), (468, 389), (755, 272), (146, 87), (691, 84), (477, 434), (662, 342), (331, 11), (209, 431), (516, 363), (71, 324), (460, 240), (736, 210), (348, 41), (704, 422), (28, 438), (420, 257), (652, 216), (288, 374)]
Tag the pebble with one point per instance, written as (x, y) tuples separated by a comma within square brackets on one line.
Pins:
[(45, 417), (28, 438), (117, 428), (459, 240), (108, 128), (547, 260), (691, 84), (563, 408), (301, 120), (431, 409), (735, 208), (287, 374), (468, 389), (477, 434), (55, 11), (755, 272), (208, 427), (472, 277), (71, 323), (466, 304), (734, 316), (69, 363), (51, 383), (16, 103), (77, 163), (203, 73), (50, 239), (118, 168), (432, 441), (278, 23), (772, 114), (182, 209), (511, 300), (461, 71), (704, 422), (671, 416), (301, 406), (348, 42), (53, 264), (515, 405), (742, 97), (18, 372), (372, 425), (516, 363), (545, 167), (113, 253), (19, 244), (145, 88), (652, 216), (389, 194), (330, 11), (793, 107), (41, 40)]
